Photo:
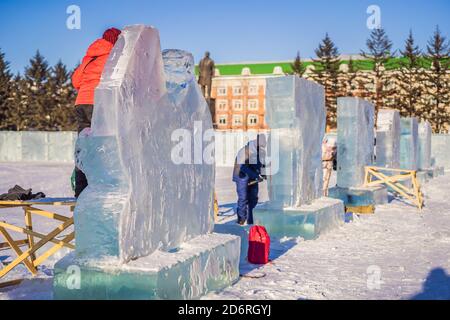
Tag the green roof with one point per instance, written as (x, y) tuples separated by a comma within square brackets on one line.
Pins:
[(267, 68)]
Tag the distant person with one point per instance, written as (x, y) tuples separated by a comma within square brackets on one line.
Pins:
[(247, 174), (329, 151), (85, 79)]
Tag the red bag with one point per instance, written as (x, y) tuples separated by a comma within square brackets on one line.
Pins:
[(258, 245)]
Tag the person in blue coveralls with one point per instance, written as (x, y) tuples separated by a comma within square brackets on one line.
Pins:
[(247, 174)]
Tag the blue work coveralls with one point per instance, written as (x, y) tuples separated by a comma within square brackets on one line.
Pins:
[(247, 168)]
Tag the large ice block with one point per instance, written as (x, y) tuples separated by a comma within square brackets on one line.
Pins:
[(355, 140), (409, 144), (139, 199), (143, 225), (206, 263), (388, 139), (424, 145), (295, 112), (360, 196)]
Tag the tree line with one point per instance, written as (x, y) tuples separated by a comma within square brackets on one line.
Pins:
[(40, 99), (418, 85)]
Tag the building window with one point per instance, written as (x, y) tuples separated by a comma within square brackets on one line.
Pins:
[(223, 120), (237, 91), (222, 105), (237, 120), (237, 105), (222, 91), (253, 90), (252, 119), (253, 105)]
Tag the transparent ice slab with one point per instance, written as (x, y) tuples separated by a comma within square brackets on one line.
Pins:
[(308, 221), (360, 196), (424, 145), (295, 112), (355, 140), (204, 264), (388, 139), (139, 198), (409, 144)]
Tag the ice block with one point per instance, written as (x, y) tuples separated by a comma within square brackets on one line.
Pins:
[(388, 139), (409, 144), (295, 112), (355, 140), (138, 199), (144, 224), (424, 145)]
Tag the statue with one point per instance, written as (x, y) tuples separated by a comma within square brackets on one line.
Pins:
[(206, 73)]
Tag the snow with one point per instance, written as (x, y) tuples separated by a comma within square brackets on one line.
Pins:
[(409, 248)]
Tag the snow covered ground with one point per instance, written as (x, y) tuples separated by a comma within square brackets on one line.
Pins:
[(398, 253)]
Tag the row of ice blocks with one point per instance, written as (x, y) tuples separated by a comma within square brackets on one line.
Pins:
[(360, 196), (204, 264)]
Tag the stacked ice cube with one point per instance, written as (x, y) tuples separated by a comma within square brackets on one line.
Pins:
[(388, 139), (295, 113), (424, 145), (409, 144), (355, 140)]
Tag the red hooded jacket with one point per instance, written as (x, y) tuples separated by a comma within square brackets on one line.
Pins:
[(87, 76)]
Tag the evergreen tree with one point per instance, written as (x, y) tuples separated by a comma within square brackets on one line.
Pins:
[(437, 99), (36, 88), (409, 76), (62, 98), (327, 74), (349, 80), (298, 68), (379, 52), (6, 88)]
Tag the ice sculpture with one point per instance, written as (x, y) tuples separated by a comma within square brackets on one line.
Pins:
[(424, 145), (409, 144), (388, 139), (295, 113), (144, 223), (355, 141)]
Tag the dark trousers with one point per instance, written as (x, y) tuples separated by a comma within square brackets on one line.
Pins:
[(83, 115), (247, 199)]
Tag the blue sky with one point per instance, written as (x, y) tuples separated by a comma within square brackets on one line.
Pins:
[(232, 30)]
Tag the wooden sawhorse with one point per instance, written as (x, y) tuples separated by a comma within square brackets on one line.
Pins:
[(29, 257)]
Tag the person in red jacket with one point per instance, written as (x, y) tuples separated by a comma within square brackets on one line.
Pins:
[(85, 79)]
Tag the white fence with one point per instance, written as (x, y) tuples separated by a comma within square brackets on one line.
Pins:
[(56, 147)]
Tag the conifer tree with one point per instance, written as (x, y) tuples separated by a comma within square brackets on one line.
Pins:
[(36, 88), (298, 68), (62, 98), (409, 76), (327, 74), (437, 100), (6, 88), (379, 48)]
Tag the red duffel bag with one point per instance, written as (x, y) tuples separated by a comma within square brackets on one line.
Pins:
[(258, 245)]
